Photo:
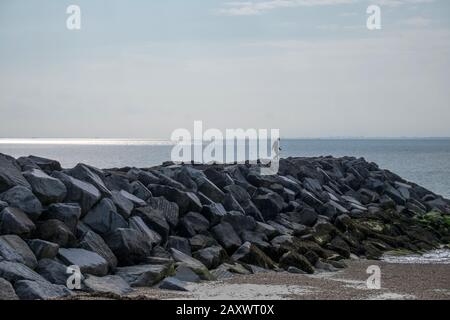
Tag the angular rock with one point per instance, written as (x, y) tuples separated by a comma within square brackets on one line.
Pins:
[(23, 199), (201, 241), (68, 213), (56, 231), (88, 261), (154, 219), (15, 221), (46, 188), (14, 271), (250, 254), (10, 175), (293, 259), (172, 283), (47, 165), (90, 175), (36, 290), (123, 204), (13, 248), (240, 222), (103, 218), (130, 246), (145, 275), (211, 257), (214, 212), (169, 209), (93, 242), (7, 291), (111, 284), (53, 271), (140, 190), (185, 274), (199, 268), (179, 243), (193, 223), (43, 249), (83, 193), (226, 236), (186, 201), (153, 238)]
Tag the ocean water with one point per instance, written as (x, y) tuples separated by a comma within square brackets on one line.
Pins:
[(424, 161)]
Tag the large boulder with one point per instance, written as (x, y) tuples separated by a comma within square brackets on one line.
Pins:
[(10, 175), (111, 284), (15, 221), (179, 243), (23, 199), (184, 260), (68, 213), (130, 246), (226, 236), (123, 204), (46, 188), (47, 165), (270, 204), (169, 209), (293, 259), (37, 290), (103, 218), (154, 219), (250, 254), (193, 223), (214, 212), (43, 249), (153, 238), (93, 242), (7, 291), (13, 248), (91, 175), (83, 193), (53, 271), (201, 241), (88, 261), (14, 271), (211, 257), (56, 231), (186, 201), (145, 275)]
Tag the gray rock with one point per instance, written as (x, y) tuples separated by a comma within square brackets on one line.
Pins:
[(214, 212), (155, 220), (46, 188), (36, 290), (185, 274), (153, 238), (250, 254), (186, 201), (14, 271), (193, 223), (179, 243), (53, 271), (56, 231), (199, 268), (267, 229), (269, 204), (68, 213), (91, 175), (123, 204), (140, 191), (93, 242), (226, 236), (13, 248), (169, 209), (7, 291), (293, 259), (10, 175), (172, 283), (145, 275), (130, 246), (201, 241), (296, 270), (48, 165), (209, 189), (256, 238), (22, 198), (83, 193), (240, 222), (15, 221), (88, 261), (211, 257), (111, 284), (103, 218), (219, 178)]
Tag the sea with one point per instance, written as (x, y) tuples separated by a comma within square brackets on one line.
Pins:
[(423, 161)]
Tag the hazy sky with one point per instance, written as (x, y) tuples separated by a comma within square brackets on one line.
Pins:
[(140, 69)]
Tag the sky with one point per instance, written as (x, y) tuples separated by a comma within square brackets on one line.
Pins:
[(141, 69)]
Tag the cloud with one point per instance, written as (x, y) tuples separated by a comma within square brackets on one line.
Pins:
[(417, 22), (251, 8)]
